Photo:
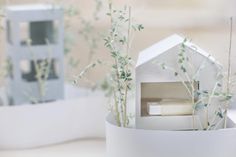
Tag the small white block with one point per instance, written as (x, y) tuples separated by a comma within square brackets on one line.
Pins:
[(169, 108)]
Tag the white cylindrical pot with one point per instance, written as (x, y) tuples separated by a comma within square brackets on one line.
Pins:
[(130, 142)]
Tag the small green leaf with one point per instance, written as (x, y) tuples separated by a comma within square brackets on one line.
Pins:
[(140, 27), (163, 66), (183, 69), (220, 114)]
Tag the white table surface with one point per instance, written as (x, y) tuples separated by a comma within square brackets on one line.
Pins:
[(79, 148)]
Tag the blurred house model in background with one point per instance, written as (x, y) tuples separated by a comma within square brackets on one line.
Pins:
[(162, 101), (35, 52)]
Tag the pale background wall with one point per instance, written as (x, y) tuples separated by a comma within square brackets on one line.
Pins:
[(206, 22)]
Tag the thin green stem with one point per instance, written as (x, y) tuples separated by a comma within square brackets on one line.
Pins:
[(209, 102), (117, 113), (229, 71)]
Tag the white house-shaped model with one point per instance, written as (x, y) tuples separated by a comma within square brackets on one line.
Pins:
[(43, 26), (156, 87)]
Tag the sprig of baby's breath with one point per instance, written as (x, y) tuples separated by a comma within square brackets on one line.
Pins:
[(118, 42), (203, 99), (42, 69)]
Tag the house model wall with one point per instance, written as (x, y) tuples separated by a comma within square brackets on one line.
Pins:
[(154, 84), (43, 26)]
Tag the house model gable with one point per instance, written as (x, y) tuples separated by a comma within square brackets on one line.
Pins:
[(158, 85)]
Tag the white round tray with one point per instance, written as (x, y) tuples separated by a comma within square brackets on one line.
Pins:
[(28, 126)]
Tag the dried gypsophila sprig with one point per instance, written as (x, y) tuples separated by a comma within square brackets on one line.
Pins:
[(118, 42), (205, 97), (86, 70), (42, 69), (88, 34)]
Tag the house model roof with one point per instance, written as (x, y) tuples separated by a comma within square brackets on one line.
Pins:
[(164, 45)]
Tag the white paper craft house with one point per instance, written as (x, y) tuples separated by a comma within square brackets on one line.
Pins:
[(43, 26), (155, 85)]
